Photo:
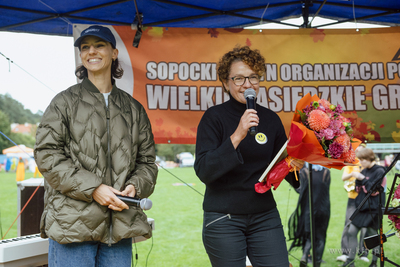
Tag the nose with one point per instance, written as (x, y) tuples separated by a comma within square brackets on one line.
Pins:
[(92, 49), (247, 82)]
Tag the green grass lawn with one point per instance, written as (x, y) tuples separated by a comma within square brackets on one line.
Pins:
[(177, 211)]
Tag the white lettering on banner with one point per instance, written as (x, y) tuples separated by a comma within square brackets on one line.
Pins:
[(151, 70), (288, 72), (271, 72), (192, 98), (186, 97), (275, 94), (386, 98), (182, 71), (393, 68), (330, 72)]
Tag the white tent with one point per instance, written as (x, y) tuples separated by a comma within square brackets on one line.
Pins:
[(20, 151)]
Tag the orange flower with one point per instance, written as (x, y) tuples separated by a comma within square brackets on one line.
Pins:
[(318, 120), (349, 156), (344, 140)]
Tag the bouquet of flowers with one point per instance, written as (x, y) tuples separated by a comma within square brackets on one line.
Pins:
[(319, 134), (396, 218)]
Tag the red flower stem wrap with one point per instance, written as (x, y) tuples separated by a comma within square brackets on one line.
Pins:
[(275, 176)]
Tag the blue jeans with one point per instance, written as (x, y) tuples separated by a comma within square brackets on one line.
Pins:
[(228, 238), (90, 254)]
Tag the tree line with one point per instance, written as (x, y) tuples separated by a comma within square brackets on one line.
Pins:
[(12, 111)]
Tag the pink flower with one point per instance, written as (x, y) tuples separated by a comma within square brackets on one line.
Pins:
[(335, 150), (395, 218), (328, 134), (337, 127), (325, 103), (397, 192)]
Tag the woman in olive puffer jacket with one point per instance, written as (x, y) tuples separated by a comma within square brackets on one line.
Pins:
[(94, 141)]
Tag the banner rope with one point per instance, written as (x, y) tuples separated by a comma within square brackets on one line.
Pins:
[(180, 179), (9, 69)]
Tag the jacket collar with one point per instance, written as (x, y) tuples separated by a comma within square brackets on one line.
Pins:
[(92, 88)]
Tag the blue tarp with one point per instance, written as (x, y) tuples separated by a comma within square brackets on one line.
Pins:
[(56, 17), (2, 158)]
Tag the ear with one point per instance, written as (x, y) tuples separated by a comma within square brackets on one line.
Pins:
[(115, 54), (225, 83)]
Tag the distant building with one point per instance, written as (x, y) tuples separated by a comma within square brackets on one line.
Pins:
[(25, 128)]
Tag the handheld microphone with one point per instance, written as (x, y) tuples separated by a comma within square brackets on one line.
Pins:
[(143, 203), (250, 95)]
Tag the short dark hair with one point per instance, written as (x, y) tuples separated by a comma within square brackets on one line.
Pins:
[(116, 71), (252, 58)]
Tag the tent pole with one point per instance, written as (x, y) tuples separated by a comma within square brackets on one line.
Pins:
[(316, 14), (311, 209), (305, 10)]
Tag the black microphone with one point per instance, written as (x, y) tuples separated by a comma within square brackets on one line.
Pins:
[(250, 95), (143, 203), (373, 241)]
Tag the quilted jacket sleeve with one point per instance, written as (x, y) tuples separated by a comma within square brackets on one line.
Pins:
[(51, 154), (145, 173)]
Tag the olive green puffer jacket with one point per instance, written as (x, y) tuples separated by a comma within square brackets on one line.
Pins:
[(81, 144)]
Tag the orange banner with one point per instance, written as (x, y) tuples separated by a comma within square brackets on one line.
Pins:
[(173, 74)]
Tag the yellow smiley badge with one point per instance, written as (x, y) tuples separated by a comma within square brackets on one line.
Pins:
[(261, 138)]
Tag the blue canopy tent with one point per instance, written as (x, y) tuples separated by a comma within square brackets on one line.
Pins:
[(56, 17)]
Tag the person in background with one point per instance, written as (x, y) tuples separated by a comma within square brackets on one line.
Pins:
[(367, 216), (31, 165), (20, 172), (237, 220), (13, 164), (350, 187), (94, 142), (8, 165), (37, 173), (397, 166), (299, 222)]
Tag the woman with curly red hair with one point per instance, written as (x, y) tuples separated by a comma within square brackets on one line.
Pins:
[(238, 221)]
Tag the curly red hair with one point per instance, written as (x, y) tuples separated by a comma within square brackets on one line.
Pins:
[(252, 58)]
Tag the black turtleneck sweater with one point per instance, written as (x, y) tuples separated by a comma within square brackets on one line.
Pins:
[(229, 174)]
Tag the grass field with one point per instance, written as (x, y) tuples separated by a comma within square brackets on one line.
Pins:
[(177, 211)]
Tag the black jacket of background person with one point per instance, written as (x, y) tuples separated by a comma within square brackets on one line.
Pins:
[(229, 174), (368, 213)]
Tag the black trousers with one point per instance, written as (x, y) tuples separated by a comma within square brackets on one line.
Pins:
[(228, 238)]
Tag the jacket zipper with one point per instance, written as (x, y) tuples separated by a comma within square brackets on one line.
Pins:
[(220, 218), (109, 167)]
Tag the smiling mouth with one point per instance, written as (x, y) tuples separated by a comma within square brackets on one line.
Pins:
[(94, 60)]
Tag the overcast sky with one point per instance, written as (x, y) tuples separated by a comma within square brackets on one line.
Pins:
[(47, 64), (44, 65)]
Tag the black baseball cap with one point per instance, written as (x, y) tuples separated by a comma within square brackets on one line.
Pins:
[(99, 31)]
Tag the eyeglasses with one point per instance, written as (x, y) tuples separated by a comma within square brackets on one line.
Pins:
[(240, 80)]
